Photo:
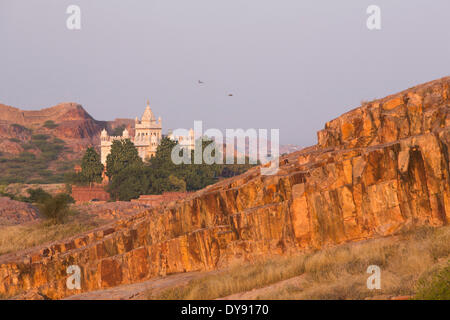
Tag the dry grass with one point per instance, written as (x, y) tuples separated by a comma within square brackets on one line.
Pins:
[(19, 237), (335, 273)]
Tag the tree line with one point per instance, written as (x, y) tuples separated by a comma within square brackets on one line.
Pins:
[(130, 176)]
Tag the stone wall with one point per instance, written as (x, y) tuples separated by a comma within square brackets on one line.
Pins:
[(369, 176), (84, 194)]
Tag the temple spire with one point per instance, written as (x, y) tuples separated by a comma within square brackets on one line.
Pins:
[(148, 114)]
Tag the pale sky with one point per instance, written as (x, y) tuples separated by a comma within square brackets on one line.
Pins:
[(290, 64)]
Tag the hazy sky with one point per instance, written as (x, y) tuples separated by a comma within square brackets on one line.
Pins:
[(290, 64)]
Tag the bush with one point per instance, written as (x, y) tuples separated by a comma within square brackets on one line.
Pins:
[(38, 195), (19, 127), (436, 286), (55, 209), (67, 197), (25, 157), (40, 137), (49, 124)]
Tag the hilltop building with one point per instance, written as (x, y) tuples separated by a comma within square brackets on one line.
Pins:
[(147, 137), (185, 141)]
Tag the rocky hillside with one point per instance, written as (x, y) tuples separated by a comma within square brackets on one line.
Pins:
[(44, 144), (70, 121), (376, 170), (16, 212), (66, 121)]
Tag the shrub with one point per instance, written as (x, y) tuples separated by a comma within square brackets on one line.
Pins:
[(436, 286), (36, 181), (38, 195), (49, 124), (20, 127), (26, 156), (55, 209), (40, 137), (27, 146), (67, 197)]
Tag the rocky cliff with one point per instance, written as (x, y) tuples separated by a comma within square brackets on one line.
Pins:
[(376, 170)]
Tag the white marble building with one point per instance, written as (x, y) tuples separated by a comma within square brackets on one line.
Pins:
[(146, 138)]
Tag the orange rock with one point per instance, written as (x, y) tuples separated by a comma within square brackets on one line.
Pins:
[(376, 170), (393, 103)]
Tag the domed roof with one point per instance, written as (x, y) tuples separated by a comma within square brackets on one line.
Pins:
[(148, 114)]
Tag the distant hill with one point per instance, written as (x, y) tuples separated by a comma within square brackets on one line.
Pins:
[(40, 146)]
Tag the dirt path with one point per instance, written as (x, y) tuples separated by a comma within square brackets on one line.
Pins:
[(254, 294), (137, 291)]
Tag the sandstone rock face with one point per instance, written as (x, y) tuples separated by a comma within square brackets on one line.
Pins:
[(110, 210), (376, 170)]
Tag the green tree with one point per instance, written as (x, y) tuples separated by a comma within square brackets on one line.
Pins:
[(130, 177), (177, 184), (91, 166), (195, 176), (163, 156), (129, 183), (123, 154)]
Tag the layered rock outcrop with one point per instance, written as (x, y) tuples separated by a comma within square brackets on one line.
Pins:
[(377, 170)]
